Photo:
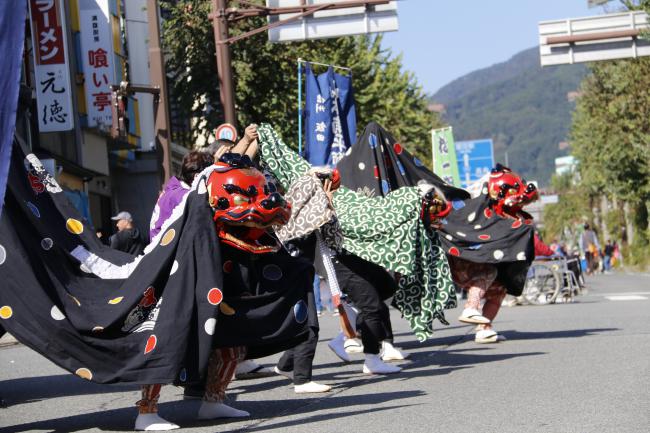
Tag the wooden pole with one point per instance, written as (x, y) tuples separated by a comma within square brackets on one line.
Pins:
[(158, 79), (224, 65)]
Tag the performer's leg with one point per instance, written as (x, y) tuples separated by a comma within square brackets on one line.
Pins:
[(303, 359), (388, 351), (148, 418), (385, 322), (149, 401), (474, 296), (286, 362), (221, 368), (473, 277), (493, 298), (369, 322)]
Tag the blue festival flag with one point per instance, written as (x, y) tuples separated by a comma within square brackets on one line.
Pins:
[(346, 109), (330, 126), (12, 23)]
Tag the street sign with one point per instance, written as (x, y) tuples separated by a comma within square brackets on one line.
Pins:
[(475, 159), (332, 23), (588, 39), (226, 131)]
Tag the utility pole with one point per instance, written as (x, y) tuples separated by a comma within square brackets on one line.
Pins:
[(224, 65), (159, 80), (220, 16)]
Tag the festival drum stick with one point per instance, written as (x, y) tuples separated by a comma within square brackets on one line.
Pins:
[(335, 290)]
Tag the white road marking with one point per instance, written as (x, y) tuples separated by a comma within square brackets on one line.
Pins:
[(626, 298), (621, 294)]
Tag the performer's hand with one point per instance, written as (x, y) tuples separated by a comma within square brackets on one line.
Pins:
[(250, 133), (327, 187), (221, 151)]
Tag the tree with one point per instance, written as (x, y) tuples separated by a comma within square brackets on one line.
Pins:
[(266, 84), (569, 211), (611, 139)]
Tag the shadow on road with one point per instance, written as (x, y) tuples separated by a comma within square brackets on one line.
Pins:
[(184, 413), (31, 389), (548, 335), (452, 358), (327, 417)]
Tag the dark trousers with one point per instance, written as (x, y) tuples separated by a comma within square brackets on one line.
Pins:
[(367, 285), (300, 359)]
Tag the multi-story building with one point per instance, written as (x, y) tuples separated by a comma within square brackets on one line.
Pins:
[(74, 51)]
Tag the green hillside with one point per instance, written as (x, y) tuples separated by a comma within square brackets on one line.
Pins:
[(522, 107)]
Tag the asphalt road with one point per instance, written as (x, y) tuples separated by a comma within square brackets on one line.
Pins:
[(581, 367)]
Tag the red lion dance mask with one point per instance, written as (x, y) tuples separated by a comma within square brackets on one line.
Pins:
[(245, 205), (509, 192), (435, 206)]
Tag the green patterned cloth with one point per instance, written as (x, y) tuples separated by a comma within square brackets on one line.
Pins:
[(387, 231)]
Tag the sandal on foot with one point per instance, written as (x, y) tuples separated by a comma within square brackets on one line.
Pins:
[(472, 315), (487, 336)]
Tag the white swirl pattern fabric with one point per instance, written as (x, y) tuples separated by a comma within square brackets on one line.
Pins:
[(310, 210), (384, 230)]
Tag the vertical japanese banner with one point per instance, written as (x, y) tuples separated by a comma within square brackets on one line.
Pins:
[(318, 117), (444, 155), (343, 110), (97, 59), (330, 117), (51, 69)]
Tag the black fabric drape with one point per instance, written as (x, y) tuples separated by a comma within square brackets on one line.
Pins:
[(154, 319), (378, 164)]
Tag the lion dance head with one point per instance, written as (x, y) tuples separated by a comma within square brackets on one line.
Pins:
[(509, 192), (245, 205)]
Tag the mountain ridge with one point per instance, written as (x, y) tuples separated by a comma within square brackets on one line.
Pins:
[(524, 108)]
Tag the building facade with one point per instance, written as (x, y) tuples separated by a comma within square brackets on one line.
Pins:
[(75, 50)]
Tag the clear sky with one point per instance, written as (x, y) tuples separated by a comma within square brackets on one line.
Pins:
[(445, 39)]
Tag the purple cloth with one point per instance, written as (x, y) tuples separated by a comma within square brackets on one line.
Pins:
[(171, 196)]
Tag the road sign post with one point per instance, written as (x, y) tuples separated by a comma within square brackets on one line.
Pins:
[(588, 39)]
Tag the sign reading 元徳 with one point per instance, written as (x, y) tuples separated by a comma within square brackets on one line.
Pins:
[(51, 70)]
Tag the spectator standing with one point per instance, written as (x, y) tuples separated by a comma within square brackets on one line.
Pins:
[(128, 238), (590, 246), (318, 281), (617, 256), (608, 252)]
